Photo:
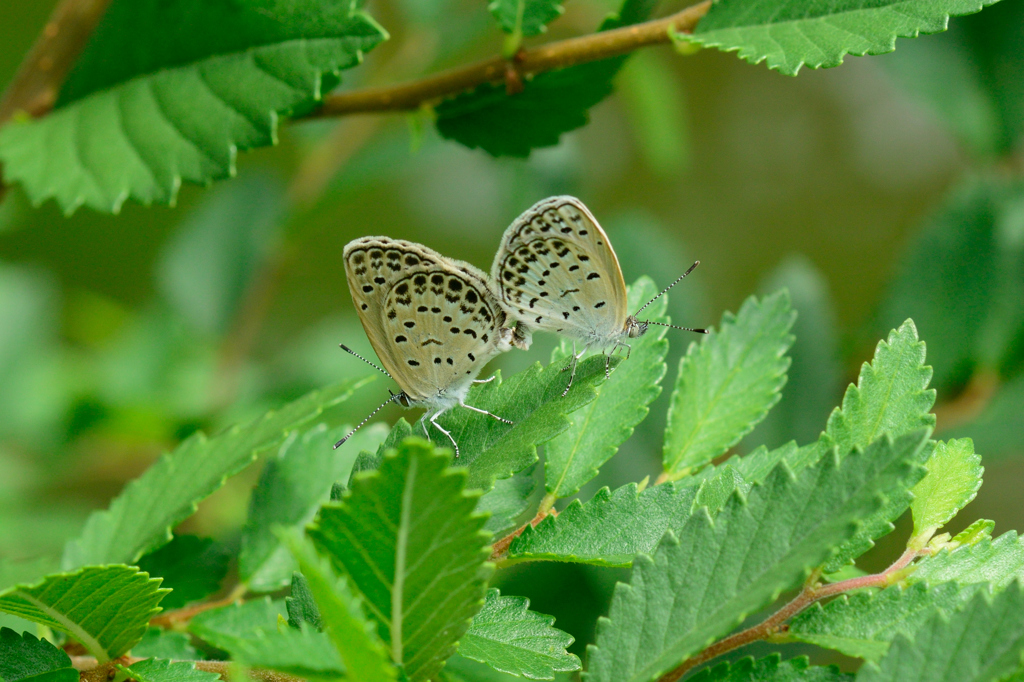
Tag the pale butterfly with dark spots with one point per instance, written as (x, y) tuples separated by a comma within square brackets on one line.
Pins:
[(556, 271), (433, 322)]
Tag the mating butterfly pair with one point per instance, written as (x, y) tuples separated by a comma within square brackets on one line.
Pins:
[(434, 322)]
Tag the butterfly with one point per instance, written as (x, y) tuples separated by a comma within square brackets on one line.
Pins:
[(433, 322), (556, 271)]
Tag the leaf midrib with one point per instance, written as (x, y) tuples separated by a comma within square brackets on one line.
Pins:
[(83, 637), (401, 549)]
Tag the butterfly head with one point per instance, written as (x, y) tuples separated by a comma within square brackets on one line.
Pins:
[(401, 398), (634, 327)]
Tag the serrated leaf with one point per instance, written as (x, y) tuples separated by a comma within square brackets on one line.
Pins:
[(301, 605), (409, 540), (135, 120), (140, 519), (157, 670), (997, 562), (506, 501), (160, 643), (974, 533), (191, 567), (598, 429), (291, 488), (346, 623), (551, 103), (981, 642), (532, 399), (250, 634), (953, 480), (609, 529), (698, 587), (104, 608), (23, 657), (525, 17), (511, 638), (769, 669), (727, 383), (790, 34)]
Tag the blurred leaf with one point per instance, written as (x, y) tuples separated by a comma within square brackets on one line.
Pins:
[(770, 669), (509, 637), (191, 566), (140, 519), (291, 488), (820, 35), (170, 91), (525, 17), (655, 102), (727, 383), (953, 480), (209, 263), (301, 605), (980, 642), (407, 537), (156, 670), (699, 587), (104, 608), (609, 529), (551, 103), (597, 429), (241, 620), (160, 643), (996, 431), (23, 657), (506, 501), (354, 636)]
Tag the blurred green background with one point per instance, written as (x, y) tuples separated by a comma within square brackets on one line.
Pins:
[(887, 188)]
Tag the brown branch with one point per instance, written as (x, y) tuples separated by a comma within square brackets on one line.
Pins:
[(811, 593), (556, 55), (501, 546), (91, 671), (971, 402)]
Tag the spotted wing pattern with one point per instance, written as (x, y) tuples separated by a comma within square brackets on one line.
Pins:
[(556, 271), (431, 320)]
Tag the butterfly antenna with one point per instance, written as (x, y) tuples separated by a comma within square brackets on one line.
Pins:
[(393, 398), (685, 329), (665, 290), (376, 367)]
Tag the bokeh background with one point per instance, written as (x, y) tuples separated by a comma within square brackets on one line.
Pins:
[(887, 188)]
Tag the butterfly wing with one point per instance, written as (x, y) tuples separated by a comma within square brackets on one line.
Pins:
[(432, 321), (556, 271)]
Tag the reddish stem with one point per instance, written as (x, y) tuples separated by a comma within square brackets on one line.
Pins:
[(501, 546)]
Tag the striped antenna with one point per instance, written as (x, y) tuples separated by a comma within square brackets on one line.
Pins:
[(393, 398), (379, 369), (685, 329), (665, 290)]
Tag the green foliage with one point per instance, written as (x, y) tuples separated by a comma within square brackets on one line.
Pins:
[(727, 383), (769, 669), (140, 519), (104, 608), (954, 477), (701, 585), (511, 638), (983, 641), (598, 429), (820, 34), (301, 605), (408, 539), (156, 670), (996, 562), (23, 657), (191, 567), (291, 488), (137, 118), (157, 643), (506, 501), (525, 18)]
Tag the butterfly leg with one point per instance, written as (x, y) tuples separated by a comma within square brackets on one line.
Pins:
[(489, 414), (484, 381), (437, 426), (572, 366)]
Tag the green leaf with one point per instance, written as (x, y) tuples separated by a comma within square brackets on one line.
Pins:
[(170, 91), (551, 103), (292, 486), (192, 567), (511, 638), (525, 18), (997, 562), (301, 605), (23, 657), (156, 670), (696, 588), (769, 669), (407, 537), (353, 634), (981, 642), (506, 501), (250, 634), (140, 519), (104, 608), (598, 429), (727, 383), (655, 103), (609, 529), (790, 35), (953, 480), (159, 643)]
